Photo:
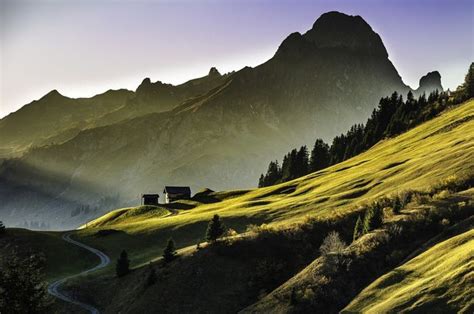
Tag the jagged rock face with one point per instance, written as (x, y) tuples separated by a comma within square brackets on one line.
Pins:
[(227, 127), (429, 83), (339, 31), (213, 72)]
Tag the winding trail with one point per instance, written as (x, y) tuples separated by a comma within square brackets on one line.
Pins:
[(54, 288)]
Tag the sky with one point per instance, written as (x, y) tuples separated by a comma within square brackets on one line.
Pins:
[(84, 47)]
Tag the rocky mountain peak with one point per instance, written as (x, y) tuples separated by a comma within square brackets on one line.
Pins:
[(429, 83), (52, 94), (146, 85), (214, 72), (339, 30), (431, 79)]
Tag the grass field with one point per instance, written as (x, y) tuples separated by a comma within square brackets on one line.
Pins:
[(434, 281), (62, 258), (417, 159)]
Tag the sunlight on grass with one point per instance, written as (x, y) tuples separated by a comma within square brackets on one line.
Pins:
[(415, 160), (441, 273)]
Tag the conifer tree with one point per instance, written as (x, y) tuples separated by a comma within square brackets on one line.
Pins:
[(123, 265), (2, 228), (301, 162), (319, 156), (289, 166), (357, 229), (469, 82), (22, 285), (377, 220), (261, 181), (169, 253), (215, 229), (273, 173), (373, 218), (367, 223)]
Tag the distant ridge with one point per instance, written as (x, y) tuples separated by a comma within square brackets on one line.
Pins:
[(216, 131)]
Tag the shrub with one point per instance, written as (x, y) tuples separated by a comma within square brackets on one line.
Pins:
[(445, 222), (230, 233), (262, 230), (397, 205), (332, 244), (123, 265), (2, 228), (406, 197), (421, 198), (442, 195)]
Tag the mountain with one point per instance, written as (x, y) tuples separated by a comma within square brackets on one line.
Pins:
[(316, 85), (275, 264), (159, 97), (428, 83), (56, 118), (36, 123)]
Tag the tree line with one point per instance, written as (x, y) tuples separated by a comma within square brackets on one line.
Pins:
[(393, 116)]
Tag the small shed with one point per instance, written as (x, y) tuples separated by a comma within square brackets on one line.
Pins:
[(150, 199), (174, 193)]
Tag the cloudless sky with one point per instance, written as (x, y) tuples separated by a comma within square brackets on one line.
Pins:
[(84, 47)]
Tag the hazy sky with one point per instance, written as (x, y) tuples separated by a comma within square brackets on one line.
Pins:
[(82, 48)]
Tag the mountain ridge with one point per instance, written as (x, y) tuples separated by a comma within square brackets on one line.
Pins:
[(225, 130)]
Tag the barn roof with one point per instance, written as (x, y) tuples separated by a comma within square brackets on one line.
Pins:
[(150, 195), (177, 190)]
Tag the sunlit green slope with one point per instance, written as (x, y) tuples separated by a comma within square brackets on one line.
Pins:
[(417, 159), (439, 280)]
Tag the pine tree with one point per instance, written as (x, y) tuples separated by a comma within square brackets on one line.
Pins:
[(123, 265), (289, 166), (169, 253), (469, 82), (215, 229), (22, 285), (377, 219), (261, 181), (410, 96), (2, 228), (319, 156), (366, 225), (357, 229), (273, 173), (301, 162), (373, 218)]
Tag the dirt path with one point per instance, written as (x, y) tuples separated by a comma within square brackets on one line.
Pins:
[(54, 288)]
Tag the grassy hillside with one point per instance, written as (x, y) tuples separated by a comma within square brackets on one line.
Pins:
[(432, 152), (439, 280), (333, 280), (62, 258)]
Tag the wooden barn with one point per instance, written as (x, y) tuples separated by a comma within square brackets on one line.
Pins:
[(174, 193), (150, 199)]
